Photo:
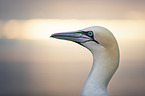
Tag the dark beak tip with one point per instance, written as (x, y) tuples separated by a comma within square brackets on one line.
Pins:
[(53, 35)]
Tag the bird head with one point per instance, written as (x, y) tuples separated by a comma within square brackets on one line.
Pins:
[(90, 37), (104, 48)]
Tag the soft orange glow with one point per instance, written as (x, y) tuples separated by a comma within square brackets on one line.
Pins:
[(11, 29), (43, 28)]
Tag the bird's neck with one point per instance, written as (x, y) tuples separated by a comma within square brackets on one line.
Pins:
[(103, 68)]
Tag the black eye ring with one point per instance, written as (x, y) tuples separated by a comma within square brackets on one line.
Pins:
[(90, 33)]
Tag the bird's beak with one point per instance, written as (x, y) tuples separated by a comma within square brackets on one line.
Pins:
[(77, 36)]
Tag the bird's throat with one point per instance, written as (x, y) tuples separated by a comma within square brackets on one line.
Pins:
[(102, 70)]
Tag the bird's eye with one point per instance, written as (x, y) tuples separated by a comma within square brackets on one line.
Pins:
[(90, 33)]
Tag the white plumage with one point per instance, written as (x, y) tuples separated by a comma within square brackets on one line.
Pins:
[(105, 51)]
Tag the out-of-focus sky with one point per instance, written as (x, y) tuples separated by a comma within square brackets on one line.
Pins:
[(34, 19), (32, 63), (72, 9)]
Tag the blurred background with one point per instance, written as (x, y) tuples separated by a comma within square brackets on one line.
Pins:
[(33, 64)]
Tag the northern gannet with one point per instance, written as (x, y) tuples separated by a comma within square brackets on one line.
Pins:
[(105, 51)]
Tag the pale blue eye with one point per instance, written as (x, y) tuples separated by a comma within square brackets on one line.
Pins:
[(90, 33)]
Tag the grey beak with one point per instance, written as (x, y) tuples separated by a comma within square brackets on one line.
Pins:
[(76, 36)]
